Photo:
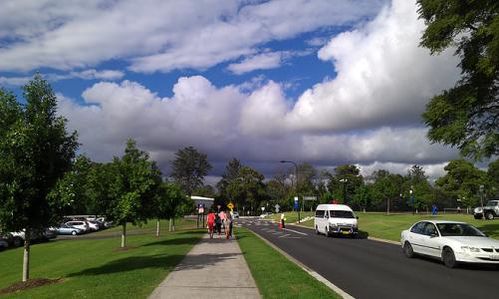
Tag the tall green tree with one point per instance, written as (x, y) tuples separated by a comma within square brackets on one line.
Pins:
[(248, 189), (36, 150), (168, 204), (344, 183), (189, 169), (134, 188), (231, 173), (462, 181), (424, 195), (386, 188), (493, 175), (466, 115)]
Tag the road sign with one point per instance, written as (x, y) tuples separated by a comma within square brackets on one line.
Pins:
[(277, 206), (230, 206), (296, 205), (309, 198)]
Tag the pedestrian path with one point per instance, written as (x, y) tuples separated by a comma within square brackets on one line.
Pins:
[(214, 268)]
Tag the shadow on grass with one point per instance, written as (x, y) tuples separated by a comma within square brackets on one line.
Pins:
[(131, 264), (176, 241), (172, 262)]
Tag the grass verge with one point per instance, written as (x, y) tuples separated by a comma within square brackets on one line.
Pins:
[(95, 268), (275, 275)]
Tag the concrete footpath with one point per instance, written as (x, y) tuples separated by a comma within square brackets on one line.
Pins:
[(214, 268)]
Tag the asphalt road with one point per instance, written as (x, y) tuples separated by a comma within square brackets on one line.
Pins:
[(370, 269)]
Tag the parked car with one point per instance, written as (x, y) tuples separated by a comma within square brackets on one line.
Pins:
[(491, 209), (3, 244), (17, 238), (335, 219), (94, 225), (65, 229), (451, 242), (235, 214), (83, 225)]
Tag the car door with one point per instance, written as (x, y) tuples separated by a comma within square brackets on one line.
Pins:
[(415, 237), (431, 239)]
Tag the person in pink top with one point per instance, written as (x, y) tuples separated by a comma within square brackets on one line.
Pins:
[(223, 218)]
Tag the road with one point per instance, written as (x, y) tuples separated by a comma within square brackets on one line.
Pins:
[(371, 269)]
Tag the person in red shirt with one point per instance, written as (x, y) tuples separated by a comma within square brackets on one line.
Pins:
[(210, 219)]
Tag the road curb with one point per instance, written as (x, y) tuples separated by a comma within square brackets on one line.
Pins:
[(314, 274)]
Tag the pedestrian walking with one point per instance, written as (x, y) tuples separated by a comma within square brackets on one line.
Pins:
[(218, 224), (283, 220), (210, 219), (228, 226)]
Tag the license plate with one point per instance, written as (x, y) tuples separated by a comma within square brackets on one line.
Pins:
[(345, 233)]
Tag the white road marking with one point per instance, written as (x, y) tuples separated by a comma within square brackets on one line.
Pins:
[(295, 231), (285, 235)]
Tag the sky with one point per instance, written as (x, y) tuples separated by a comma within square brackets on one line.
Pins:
[(322, 82)]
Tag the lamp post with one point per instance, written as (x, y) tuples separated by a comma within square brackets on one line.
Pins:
[(412, 199), (296, 185), (481, 201), (344, 181)]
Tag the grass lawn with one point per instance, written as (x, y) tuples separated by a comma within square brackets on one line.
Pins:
[(275, 275), (380, 225), (97, 268)]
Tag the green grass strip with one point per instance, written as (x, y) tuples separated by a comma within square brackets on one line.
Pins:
[(275, 275)]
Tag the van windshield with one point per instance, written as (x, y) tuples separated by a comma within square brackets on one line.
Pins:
[(341, 214)]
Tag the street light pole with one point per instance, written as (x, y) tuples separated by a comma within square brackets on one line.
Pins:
[(296, 185), (412, 199), (344, 181), (481, 201)]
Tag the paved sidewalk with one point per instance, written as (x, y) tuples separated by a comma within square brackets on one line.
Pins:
[(214, 268)]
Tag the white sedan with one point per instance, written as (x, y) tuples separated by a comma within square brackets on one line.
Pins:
[(452, 242)]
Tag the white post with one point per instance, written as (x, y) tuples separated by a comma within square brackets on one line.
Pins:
[(27, 239), (123, 236), (157, 228)]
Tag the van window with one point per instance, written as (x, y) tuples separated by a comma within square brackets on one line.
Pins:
[(341, 214), (319, 213)]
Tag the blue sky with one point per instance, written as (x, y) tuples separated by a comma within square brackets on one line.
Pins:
[(324, 82)]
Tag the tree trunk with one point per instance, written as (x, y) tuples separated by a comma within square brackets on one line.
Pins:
[(123, 236), (27, 238), (157, 228), (170, 225), (173, 220), (388, 207)]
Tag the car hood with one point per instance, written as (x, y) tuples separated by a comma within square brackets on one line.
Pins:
[(475, 241)]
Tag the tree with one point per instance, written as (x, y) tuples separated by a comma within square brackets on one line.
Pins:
[(423, 191), (462, 181), (386, 188), (35, 151), (189, 169), (231, 173), (345, 182), (466, 115), (493, 175), (134, 188), (168, 204), (248, 188)]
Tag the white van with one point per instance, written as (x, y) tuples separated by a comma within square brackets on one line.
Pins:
[(335, 219)]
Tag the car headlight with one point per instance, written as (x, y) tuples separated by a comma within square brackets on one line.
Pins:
[(333, 225), (470, 248)]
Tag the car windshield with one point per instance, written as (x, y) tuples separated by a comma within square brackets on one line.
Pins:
[(492, 203), (458, 229), (341, 214)]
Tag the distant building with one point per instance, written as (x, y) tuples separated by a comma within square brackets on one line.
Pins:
[(207, 201)]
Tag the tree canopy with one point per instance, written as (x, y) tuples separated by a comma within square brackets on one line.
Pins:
[(35, 151), (466, 115), (189, 169)]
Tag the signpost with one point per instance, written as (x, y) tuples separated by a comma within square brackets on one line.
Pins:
[(277, 206), (297, 207)]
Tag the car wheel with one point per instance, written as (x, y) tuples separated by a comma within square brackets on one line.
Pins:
[(408, 251), (73, 233), (317, 229), (327, 231), (489, 216), (449, 258)]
